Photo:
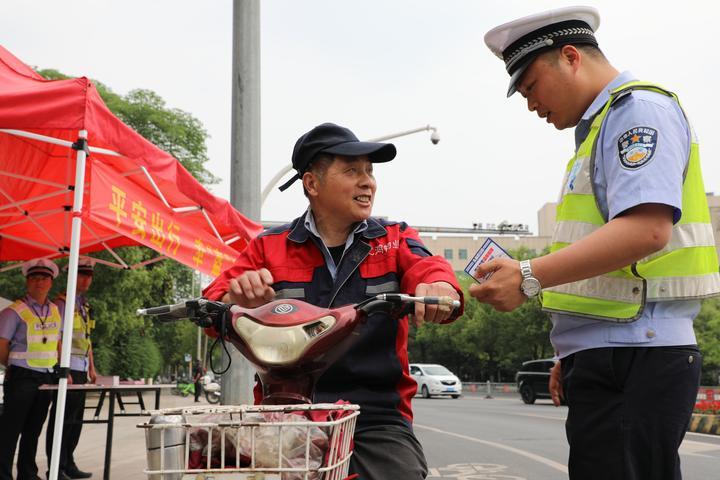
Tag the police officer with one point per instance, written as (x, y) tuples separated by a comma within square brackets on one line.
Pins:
[(82, 370), (197, 379), (632, 255), (29, 334)]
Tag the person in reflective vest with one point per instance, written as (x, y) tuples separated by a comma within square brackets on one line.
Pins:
[(29, 343), (632, 255), (82, 370)]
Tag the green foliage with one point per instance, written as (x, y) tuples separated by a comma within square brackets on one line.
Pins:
[(707, 330), (123, 343)]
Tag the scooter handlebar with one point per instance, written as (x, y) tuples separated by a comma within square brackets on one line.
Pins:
[(427, 300)]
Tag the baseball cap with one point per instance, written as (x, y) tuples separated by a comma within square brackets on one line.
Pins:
[(334, 140)]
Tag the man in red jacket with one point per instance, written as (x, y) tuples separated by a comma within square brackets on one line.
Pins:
[(336, 254)]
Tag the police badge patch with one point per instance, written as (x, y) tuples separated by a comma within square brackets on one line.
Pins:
[(637, 146)]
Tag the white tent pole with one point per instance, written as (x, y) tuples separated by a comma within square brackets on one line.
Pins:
[(69, 301), (56, 141)]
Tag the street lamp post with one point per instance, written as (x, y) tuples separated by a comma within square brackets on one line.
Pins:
[(434, 138)]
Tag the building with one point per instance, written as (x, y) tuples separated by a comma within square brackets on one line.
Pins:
[(458, 245)]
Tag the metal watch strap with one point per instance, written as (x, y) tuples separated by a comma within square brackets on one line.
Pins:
[(526, 269)]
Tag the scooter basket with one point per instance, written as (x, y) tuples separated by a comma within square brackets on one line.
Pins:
[(246, 442)]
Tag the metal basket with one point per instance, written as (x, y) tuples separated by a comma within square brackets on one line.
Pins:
[(168, 440)]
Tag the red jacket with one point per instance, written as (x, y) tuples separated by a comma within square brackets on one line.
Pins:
[(386, 257)]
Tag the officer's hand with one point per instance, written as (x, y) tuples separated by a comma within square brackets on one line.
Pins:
[(433, 313), (252, 288), (502, 290), (555, 384)]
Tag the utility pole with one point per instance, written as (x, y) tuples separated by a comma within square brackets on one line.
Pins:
[(245, 159)]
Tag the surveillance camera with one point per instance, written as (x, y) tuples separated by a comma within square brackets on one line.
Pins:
[(435, 138)]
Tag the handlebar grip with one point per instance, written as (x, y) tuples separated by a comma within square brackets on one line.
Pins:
[(153, 310), (443, 300), (179, 310)]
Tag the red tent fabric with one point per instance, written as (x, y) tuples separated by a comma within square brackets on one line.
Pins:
[(135, 193)]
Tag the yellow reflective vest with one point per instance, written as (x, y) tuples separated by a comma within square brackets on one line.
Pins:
[(81, 330), (42, 335), (687, 268)]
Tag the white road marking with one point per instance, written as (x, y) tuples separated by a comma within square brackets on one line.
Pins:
[(690, 447), (532, 456)]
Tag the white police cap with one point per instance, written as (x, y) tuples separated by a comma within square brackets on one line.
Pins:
[(519, 42), (86, 265), (40, 265)]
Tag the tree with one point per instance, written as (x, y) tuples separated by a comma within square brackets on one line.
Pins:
[(707, 330)]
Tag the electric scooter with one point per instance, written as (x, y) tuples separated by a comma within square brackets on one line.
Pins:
[(291, 344)]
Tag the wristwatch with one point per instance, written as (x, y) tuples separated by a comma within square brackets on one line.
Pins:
[(530, 286)]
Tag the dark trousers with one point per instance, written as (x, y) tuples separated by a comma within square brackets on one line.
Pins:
[(23, 416), (628, 410), (387, 452), (72, 426), (198, 390)]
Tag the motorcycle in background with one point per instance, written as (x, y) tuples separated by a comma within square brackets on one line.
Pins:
[(211, 388)]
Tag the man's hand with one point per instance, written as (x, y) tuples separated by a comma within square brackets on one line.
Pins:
[(433, 313), (252, 288), (502, 290), (92, 375), (555, 384)]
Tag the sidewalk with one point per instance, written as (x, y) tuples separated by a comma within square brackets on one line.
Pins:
[(128, 454)]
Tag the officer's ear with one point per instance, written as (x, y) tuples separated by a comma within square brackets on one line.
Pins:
[(570, 55)]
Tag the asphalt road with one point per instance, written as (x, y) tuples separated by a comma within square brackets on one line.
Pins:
[(470, 438), (502, 438)]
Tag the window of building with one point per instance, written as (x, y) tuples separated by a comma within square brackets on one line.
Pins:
[(448, 253), (462, 254)]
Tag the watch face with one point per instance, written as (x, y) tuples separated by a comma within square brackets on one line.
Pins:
[(530, 287)]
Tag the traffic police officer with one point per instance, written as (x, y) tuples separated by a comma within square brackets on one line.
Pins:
[(633, 249), (82, 370), (29, 336)]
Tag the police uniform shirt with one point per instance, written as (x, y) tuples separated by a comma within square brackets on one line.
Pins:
[(620, 185), (77, 363), (13, 328)]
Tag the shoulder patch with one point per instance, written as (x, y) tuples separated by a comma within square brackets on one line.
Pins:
[(637, 146)]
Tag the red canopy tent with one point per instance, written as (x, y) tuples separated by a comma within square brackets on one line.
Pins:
[(61, 149)]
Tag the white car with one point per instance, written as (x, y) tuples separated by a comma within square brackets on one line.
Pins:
[(435, 380)]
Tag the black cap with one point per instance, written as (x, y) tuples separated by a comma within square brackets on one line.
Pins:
[(334, 140)]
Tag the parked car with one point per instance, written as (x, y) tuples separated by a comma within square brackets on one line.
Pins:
[(532, 379), (435, 380)]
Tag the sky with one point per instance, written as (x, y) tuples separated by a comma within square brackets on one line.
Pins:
[(377, 67)]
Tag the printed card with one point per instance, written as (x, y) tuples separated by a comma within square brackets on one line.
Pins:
[(489, 251)]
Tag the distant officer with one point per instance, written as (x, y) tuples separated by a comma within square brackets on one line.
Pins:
[(29, 333), (632, 254), (197, 379), (82, 370)]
